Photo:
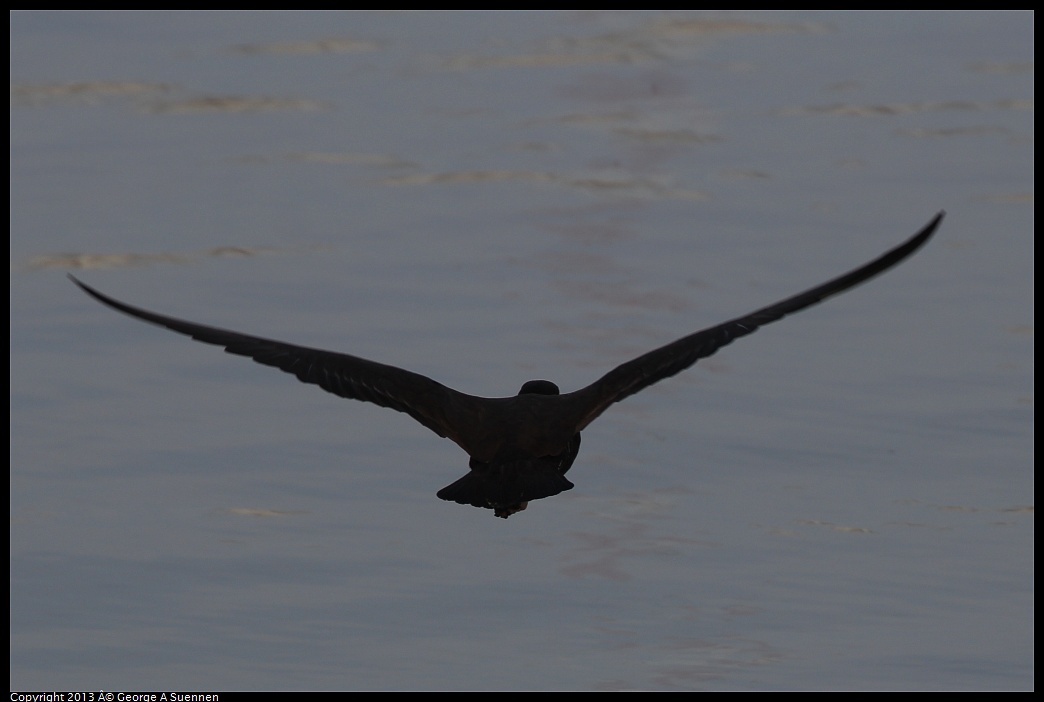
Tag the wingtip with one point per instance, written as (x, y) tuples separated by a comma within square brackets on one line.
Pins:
[(87, 289), (81, 285), (928, 230)]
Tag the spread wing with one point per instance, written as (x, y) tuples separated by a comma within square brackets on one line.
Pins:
[(586, 404), (445, 411)]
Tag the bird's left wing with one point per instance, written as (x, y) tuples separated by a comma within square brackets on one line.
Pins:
[(445, 411)]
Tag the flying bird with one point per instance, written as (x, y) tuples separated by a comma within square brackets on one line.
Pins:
[(520, 447)]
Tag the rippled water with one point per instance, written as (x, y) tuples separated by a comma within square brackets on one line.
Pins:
[(843, 500)]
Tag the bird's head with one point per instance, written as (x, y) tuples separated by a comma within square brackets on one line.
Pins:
[(539, 387)]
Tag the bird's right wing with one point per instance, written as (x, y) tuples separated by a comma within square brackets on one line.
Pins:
[(625, 380)]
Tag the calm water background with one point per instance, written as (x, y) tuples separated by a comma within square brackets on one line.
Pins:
[(843, 500)]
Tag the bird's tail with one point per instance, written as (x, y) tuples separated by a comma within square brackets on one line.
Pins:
[(506, 488)]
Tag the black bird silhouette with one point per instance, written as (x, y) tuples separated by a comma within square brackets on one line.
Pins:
[(521, 446)]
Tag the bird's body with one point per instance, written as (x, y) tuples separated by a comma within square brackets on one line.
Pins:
[(520, 446)]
